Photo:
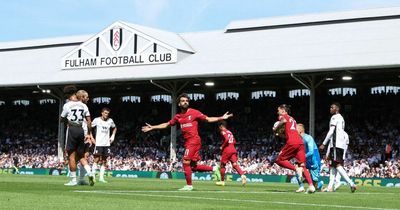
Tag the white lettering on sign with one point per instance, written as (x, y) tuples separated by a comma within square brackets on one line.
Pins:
[(119, 45)]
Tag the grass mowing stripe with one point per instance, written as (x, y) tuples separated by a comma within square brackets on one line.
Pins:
[(233, 200), (222, 191)]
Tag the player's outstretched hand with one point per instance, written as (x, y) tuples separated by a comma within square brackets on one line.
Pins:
[(147, 128), (227, 115)]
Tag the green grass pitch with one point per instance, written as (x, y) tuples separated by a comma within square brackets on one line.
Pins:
[(48, 192)]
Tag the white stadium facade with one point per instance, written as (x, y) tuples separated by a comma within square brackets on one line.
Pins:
[(309, 52)]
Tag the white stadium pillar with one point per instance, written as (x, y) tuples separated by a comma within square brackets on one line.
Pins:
[(311, 84)]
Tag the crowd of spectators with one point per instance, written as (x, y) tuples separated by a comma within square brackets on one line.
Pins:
[(28, 134)]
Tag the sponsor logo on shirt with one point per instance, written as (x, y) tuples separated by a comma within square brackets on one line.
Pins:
[(185, 125)]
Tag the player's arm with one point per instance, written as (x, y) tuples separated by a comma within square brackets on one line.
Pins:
[(89, 136), (310, 146), (114, 131), (63, 116), (328, 137), (64, 120), (282, 121), (149, 127), (216, 119)]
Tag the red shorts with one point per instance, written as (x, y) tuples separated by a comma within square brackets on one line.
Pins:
[(231, 156), (192, 152), (290, 151)]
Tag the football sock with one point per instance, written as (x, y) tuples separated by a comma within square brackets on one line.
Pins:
[(299, 181), (332, 175), (94, 168), (102, 169), (222, 170), (87, 168), (72, 174), (343, 173), (307, 176), (188, 173), (238, 169), (202, 168), (337, 180), (286, 164), (82, 172)]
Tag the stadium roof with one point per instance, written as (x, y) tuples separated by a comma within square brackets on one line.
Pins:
[(354, 40)]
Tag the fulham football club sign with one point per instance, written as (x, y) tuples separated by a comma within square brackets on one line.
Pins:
[(119, 45)]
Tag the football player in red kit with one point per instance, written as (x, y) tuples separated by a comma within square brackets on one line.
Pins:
[(229, 153), (188, 119), (294, 147)]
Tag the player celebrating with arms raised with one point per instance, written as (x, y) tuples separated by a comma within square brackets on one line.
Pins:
[(188, 119), (294, 147), (229, 153)]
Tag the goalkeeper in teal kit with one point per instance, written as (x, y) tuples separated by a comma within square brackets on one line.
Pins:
[(313, 163)]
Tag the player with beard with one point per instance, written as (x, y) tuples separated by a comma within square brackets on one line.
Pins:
[(294, 147), (188, 118)]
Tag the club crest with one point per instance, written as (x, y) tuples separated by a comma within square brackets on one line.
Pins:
[(116, 38)]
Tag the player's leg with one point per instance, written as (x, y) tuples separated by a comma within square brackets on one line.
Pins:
[(224, 160), (81, 168), (187, 168), (85, 163), (233, 158), (284, 156), (102, 169), (70, 148), (188, 174), (82, 173), (106, 153), (72, 168), (339, 167), (332, 174), (96, 158), (301, 158), (343, 173), (194, 155), (338, 183), (301, 185), (222, 171)]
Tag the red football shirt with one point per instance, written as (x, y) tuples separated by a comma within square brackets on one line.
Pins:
[(189, 125), (292, 136), (229, 141)]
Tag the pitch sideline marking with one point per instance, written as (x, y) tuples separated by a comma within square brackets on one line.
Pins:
[(229, 199)]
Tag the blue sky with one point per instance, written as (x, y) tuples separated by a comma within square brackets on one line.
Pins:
[(33, 19)]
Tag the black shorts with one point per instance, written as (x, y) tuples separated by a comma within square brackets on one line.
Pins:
[(336, 154), (102, 151), (75, 140)]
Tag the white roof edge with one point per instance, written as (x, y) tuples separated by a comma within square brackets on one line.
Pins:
[(44, 42), (174, 77), (312, 18), (167, 37)]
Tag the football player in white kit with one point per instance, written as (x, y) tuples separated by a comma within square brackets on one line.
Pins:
[(103, 139), (83, 96), (73, 114), (338, 140)]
